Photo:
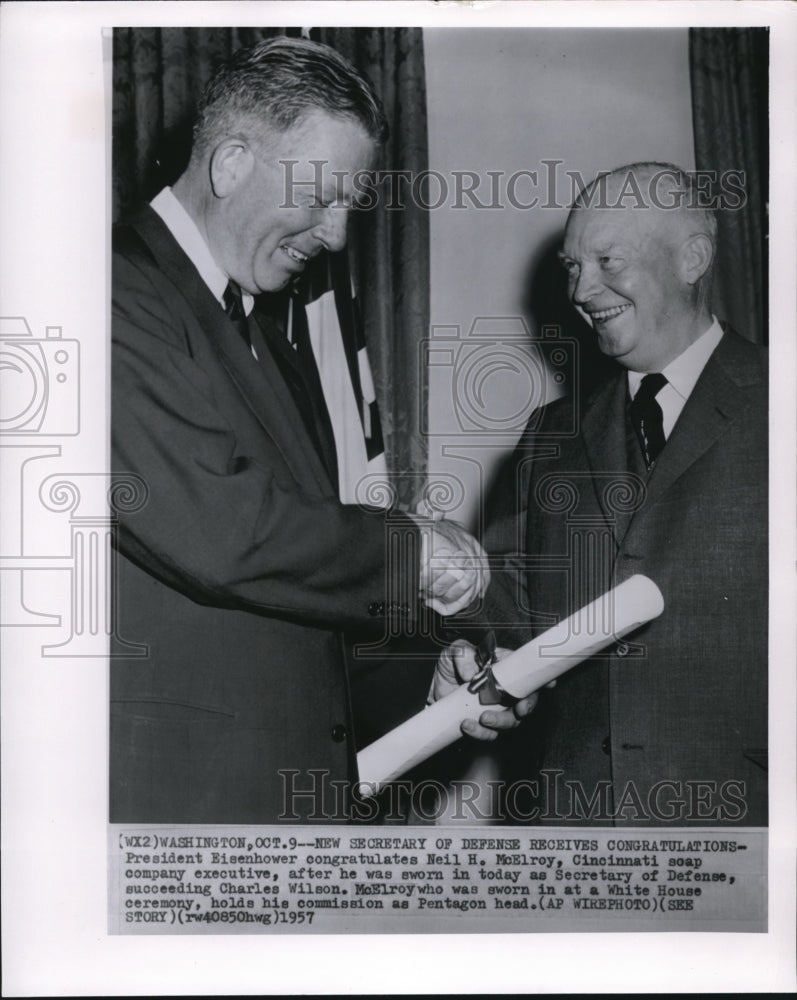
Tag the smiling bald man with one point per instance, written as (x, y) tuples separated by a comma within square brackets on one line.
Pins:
[(665, 476)]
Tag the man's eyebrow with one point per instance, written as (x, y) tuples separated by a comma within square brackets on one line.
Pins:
[(619, 245), (331, 192)]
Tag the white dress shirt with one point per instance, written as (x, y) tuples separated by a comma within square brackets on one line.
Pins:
[(185, 231), (682, 375)]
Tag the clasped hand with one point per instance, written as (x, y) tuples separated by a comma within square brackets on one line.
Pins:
[(454, 570)]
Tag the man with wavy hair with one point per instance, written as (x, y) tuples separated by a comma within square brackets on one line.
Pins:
[(243, 568)]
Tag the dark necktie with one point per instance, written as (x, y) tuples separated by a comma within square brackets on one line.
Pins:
[(646, 417), (234, 307)]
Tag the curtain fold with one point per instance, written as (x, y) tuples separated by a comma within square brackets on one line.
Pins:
[(159, 74), (390, 248), (729, 78)]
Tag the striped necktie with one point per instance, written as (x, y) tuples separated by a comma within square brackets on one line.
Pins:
[(646, 416)]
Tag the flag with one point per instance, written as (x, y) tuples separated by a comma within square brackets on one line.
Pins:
[(328, 298)]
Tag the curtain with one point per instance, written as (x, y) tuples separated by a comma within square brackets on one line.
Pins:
[(391, 248), (158, 75), (729, 76)]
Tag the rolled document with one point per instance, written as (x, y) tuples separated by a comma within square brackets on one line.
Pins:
[(619, 611)]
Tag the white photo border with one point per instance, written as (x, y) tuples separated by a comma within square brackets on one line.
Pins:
[(54, 163)]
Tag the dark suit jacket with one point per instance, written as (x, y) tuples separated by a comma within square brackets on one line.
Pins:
[(238, 573), (685, 700)]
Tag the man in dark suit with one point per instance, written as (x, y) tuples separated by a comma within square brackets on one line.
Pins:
[(661, 471), (242, 568)]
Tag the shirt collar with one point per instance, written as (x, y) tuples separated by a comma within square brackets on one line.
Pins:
[(185, 231), (682, 373)]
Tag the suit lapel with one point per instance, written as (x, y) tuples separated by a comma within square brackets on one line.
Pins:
[(260, 384), (603, 429), (302, 374), (716, 402)]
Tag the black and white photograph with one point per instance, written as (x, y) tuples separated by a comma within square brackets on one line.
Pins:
[(399, 523)]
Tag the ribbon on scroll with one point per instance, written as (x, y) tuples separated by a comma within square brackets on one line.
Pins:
[(615, 614)]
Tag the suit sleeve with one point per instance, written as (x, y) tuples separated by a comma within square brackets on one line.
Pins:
[(219, 524), (505, 603)]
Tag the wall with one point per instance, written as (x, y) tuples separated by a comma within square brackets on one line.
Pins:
[(504, 101)]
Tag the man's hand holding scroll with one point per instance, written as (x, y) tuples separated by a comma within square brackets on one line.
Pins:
[(457, 665)]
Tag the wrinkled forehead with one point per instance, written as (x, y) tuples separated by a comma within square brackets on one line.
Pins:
[(321, 151), (599, 227)]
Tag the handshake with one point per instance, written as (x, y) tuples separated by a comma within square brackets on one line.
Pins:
[(454, 570), (455, 573)]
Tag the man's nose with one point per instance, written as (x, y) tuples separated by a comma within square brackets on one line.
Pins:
[(331, 229), (585, 286)]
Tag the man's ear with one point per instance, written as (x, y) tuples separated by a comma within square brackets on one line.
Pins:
[(230, 163), (697, 252)]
